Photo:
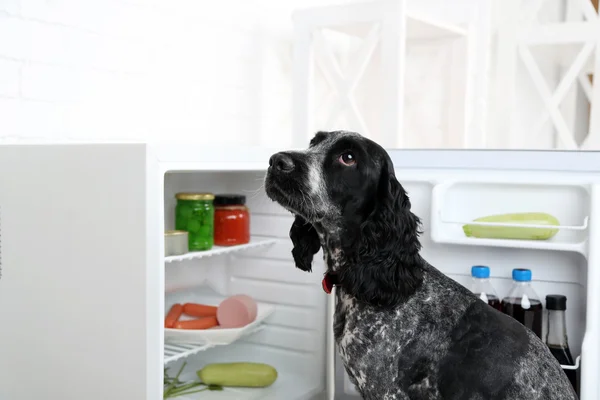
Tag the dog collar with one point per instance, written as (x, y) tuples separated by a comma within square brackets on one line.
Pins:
[(329, 281)]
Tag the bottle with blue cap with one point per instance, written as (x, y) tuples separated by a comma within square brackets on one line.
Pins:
[(523, 303), (482, 287)]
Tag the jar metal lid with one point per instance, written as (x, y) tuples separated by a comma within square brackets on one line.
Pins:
[(175, 233), (230, 200), (195, 196)]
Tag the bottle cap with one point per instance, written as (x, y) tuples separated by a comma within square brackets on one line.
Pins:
[(480, 271), (521, 275), (556, 302)]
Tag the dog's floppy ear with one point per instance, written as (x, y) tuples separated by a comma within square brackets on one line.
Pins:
[(318, 138), (306, 243), (392, 213), (387, 250)]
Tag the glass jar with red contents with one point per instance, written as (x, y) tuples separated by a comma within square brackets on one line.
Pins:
[(232, 220)]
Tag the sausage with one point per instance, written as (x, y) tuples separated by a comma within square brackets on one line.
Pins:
[(236, 311), (199, 310), (173, 315), (200, 323)]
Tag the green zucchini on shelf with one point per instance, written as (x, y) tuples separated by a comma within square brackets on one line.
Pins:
[(240, 374), (213, 377), (518, 233)]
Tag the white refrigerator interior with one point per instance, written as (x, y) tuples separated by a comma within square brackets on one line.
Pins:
[(85, 286)]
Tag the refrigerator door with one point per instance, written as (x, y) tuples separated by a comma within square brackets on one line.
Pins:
[(79, 274), (590, 363)]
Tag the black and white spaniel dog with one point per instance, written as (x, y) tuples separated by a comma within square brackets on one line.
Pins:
[(404, 330)]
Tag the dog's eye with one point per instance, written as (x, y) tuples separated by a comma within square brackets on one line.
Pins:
[(347, 159)]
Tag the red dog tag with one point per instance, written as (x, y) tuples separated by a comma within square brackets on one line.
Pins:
[(328, 282)]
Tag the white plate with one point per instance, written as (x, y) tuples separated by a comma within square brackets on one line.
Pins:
[(217, 336)]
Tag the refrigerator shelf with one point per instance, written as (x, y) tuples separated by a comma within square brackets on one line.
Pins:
[(180, 343), (218, 336), (288, 386), (220, 250), (179, 350)]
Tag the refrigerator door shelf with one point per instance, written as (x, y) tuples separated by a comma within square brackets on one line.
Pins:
[(457, 203), (559, 227), (573, 367)]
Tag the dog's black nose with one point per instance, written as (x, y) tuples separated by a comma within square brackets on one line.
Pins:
[(282, 162)]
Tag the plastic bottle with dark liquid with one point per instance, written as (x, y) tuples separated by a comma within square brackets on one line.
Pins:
[(482, 287), (522, 303), (556, 339)]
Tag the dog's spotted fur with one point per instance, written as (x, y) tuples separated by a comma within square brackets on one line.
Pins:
[(404, 330)]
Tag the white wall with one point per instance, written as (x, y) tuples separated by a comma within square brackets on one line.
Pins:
[(170, 70), (137, 69)]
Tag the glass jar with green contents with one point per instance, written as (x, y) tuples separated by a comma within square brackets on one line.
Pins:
[(195, 214)]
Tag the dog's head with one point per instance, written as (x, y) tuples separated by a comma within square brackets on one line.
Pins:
[(345, 185)]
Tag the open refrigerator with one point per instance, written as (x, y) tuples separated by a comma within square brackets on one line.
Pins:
[(85, 285)]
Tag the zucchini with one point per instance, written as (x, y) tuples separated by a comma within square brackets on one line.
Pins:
[(506, 232), (242, 374)]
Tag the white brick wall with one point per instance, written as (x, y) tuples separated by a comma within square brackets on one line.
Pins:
[(9, 78), (136, 69), (11, 6), (212, 71)]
